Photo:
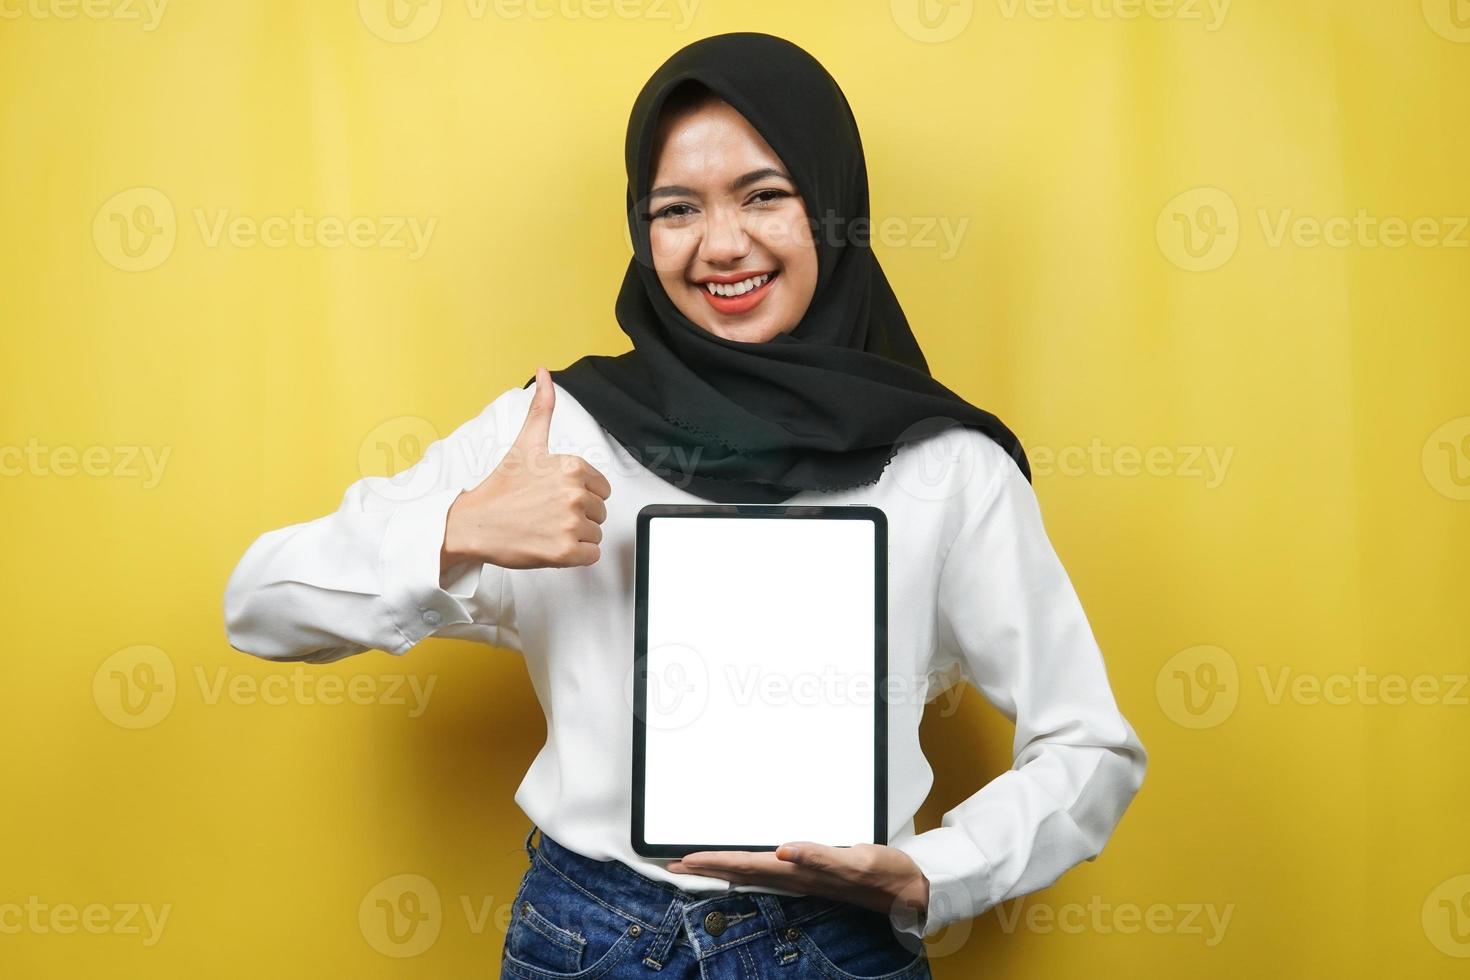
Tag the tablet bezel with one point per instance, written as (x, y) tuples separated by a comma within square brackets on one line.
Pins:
[(859, 512)]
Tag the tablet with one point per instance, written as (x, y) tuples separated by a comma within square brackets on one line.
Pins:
[(760, 659)]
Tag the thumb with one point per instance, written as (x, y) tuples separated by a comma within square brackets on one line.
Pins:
[(536, 430)]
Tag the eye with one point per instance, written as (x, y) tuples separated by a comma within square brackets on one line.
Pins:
[(672, 211), (775, 194)]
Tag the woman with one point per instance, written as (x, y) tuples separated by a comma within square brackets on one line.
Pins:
[(771, 363)]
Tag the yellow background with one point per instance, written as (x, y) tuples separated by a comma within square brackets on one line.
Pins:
[(1332, 545)]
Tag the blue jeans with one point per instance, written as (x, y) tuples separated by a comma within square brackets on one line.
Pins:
[(575, 918)]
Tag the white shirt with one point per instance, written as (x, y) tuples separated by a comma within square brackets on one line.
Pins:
[(976, 591)]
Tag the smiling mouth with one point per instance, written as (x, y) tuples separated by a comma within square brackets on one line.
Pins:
[(738, 288), (738, 297)]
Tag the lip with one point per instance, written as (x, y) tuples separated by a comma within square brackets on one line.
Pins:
[(745, 302)]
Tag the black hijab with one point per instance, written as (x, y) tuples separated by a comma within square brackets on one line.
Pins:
[(822, 407)]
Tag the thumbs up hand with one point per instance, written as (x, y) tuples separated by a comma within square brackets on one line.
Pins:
[(537, 509)]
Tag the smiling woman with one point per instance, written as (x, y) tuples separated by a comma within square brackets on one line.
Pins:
[(778, 365), (729, 232)]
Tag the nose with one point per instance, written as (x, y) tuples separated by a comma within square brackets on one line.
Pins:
[(725, 239)]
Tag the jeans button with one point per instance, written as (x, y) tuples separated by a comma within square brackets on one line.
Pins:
[(714, 923)]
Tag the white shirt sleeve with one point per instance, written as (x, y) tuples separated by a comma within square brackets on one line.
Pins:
[(1009, 613), (367, 575)]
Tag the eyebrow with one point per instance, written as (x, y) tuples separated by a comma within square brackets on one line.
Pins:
[(678, 190)]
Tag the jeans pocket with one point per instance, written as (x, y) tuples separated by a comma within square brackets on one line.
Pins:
[(536, 940), (557, 931), (853, 943)]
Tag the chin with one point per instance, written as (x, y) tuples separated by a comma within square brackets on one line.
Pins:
[(747, 333)]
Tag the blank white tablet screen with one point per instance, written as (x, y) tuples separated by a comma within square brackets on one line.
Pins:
[(761, 686)]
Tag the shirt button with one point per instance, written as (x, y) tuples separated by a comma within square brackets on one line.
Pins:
[(432, 618), (714, 923)]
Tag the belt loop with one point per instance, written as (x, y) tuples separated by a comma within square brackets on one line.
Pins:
[(664, 938), (530, 853), (786, 948)]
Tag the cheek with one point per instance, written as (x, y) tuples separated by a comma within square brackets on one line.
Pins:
[(788, 236), (670, 250)]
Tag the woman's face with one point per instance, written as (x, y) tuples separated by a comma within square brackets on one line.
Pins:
[(731, 241)]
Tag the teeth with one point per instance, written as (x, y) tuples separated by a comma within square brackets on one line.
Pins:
[(737, 288)]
